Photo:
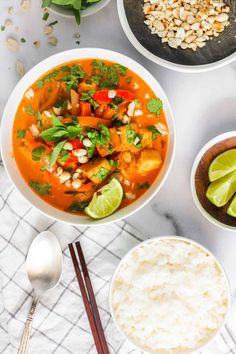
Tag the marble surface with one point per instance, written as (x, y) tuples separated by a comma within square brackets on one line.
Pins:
[(204, 106)]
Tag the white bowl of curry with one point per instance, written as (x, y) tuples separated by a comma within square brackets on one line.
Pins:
[(79, 119)]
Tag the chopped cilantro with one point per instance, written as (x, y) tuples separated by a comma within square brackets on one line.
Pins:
[(116, 102), (76, 74), (112, 163), (45, 16), (87, 96), (75, 207), (38, 152), (21, 133), (39, 119), (155, 105), (129, 79), (30, 110), (154, 131), (42, 189), (101, 174), (145, 185)]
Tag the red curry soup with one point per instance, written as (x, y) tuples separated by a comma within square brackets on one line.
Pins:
[(81, 125)]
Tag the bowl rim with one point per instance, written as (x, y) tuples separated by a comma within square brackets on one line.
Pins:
[(163, 62), (204, 212), (15, 98), (93, 9), (171, 237)]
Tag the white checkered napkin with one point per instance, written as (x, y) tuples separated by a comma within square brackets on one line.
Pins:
[(61, 324)]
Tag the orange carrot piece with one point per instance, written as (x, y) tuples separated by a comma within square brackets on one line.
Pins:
[(85, 109), (75, 105), (92, 122)]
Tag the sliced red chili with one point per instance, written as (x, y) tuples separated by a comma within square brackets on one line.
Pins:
[(76, 143), (102, 97)]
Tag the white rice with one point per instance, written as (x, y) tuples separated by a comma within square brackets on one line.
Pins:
[(169, 296)]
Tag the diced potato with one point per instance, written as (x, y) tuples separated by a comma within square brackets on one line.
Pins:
[(97, 170), (114, 143), (149, 160)]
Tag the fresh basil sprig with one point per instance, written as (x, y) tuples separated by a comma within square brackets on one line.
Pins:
[(60, 130), (75, 5)]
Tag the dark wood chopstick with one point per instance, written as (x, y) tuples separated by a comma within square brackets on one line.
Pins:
[(92, 298), (89, 299)]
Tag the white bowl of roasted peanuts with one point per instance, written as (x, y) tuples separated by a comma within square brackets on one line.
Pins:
[(184, 35)]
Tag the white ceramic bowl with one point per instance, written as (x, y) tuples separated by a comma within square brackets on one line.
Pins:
[(9, 115), (91, 10), (169, 238), (197, 160)]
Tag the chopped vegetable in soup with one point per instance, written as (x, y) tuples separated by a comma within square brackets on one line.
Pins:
[(83, 124)]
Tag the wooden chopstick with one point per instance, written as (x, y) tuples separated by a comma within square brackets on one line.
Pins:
[(92, 299), (89, 299)]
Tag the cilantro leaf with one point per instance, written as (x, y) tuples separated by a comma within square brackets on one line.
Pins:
[(101, 174), (155, 105), (38, 152), (41, 189), (76, 207), (21, 133), (30, 110), (154, 131)]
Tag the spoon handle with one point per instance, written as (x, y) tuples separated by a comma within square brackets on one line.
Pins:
[(23, 349)]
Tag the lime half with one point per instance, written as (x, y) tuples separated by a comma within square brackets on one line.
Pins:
[(220, 191), (106, 200), (232, 208), (222, 165)]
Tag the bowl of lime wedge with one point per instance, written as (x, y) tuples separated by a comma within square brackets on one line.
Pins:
[(213, 181)]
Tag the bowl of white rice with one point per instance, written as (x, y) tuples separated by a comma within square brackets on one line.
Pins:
[(169, 295)]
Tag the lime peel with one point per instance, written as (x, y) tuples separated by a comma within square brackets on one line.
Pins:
[(106, 200)]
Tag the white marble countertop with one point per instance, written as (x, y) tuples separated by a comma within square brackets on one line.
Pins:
[(204, 106)]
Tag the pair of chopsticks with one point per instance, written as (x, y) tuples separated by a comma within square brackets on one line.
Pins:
[(88, 297)]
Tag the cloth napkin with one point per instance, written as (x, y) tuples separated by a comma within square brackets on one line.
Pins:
[(61, 324)]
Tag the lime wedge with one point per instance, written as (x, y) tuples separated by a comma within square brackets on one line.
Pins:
[(222, 165), (232, 208), (106, 200), (220, 191)]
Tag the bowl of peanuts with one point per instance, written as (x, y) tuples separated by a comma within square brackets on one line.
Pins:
[(182, 35)]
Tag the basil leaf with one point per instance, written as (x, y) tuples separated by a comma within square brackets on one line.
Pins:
[(154, 131), (56, 151)]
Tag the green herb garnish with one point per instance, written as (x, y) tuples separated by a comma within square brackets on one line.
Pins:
[(145, 185), (155, 105), (21, 133), (76, 207), (38, 152), (154, 131), (56, 151), (42, 189), (87, 96), (30, 110), (101, 174), (59, 130)]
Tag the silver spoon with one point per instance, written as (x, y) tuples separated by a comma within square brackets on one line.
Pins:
[(44, 267)]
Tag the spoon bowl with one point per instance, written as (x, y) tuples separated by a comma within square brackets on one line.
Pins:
[(44, 262)]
